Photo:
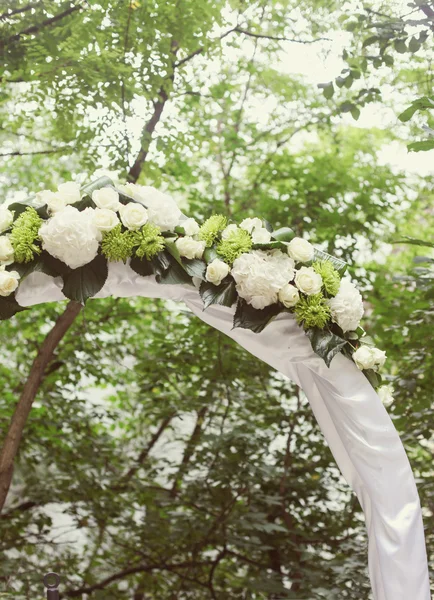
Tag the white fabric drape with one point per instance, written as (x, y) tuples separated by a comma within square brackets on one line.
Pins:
[(352, 418)]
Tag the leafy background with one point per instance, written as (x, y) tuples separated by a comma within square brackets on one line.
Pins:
[(160, 460)]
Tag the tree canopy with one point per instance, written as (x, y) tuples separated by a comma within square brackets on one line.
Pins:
[(159, 460)]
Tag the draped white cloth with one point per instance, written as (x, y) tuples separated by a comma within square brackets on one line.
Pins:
[(355, 424)]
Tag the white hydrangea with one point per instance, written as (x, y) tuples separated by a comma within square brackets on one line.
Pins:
[(260, 275), (71, 236), (347, 306), (162, 208)]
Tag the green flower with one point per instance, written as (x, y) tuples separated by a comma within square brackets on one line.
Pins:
[(237, 243), (117, 245), (312, 311), (331, 278), (149, 241), (211, 228), (25, 234)]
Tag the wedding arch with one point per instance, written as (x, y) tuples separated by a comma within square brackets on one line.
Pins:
[(286, 302)]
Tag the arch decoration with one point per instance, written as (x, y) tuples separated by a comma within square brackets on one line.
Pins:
[(286, 302)]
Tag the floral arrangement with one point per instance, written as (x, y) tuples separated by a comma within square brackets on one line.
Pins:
[(73, 233)]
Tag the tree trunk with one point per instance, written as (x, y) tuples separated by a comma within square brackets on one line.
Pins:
[(24, 405)]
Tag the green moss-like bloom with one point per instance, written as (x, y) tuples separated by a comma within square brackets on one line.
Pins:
[(330, 276), (312, 311), (25, 234), (211, 228), (239, 242), (116, 245), (149, 241)]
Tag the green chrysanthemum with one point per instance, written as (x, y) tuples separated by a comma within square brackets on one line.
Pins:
[(312, 311), (25, 234), (117, 245), (211, 228), (149, 240), (330, 276), (239, 242)]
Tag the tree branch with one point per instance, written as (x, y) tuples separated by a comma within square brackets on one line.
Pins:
[(46, 23), (276, 37), (17, 11), (18, 153), (24, 405)]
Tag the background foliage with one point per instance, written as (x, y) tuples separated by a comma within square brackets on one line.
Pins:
[(160, 460)]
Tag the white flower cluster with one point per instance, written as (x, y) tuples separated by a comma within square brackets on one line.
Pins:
[(368, 357), (347, 306), (260, 275), (8, 281), (73, 236)]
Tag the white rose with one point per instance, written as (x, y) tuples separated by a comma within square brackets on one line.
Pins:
[(251, 224), (8, 282), (162, 208), (54, 201), (6, 250), (69, 191), (261, 236), (216, 271), (347, 306), (289, 295), (308, 281), (260, 275), (106, 197), (379, 357), (300, 250), (189, 247), (191, 226), (105, 219), (133, 215), (364, 358), (228, 231), (385, 393), (367, 357), (6, 219), (71, 236)]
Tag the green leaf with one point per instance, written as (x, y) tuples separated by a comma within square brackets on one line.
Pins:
[(142, 266), (423, 103), (97, 185), (84, 282), (210, 254), (271, 246), (355, 113), (251, 318), (422, 146), (339, 264), (373, 39), (284, 234), (45, 263), (414, 45), (373, 377), (9, 307), (224, 294), (194, 267), (85, 202), (325, 343), (173, 274), (328, 89), (400, 46)]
